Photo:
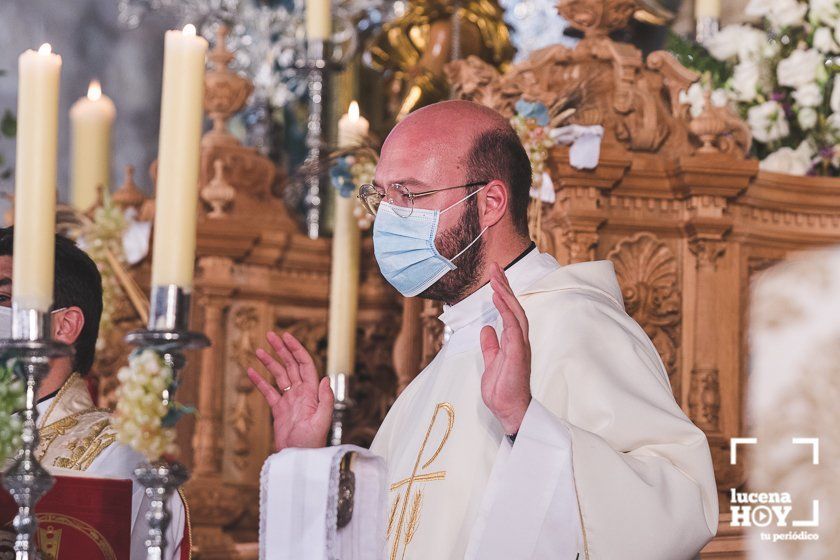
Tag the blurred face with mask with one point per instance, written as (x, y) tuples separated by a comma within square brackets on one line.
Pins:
[(443, 212)]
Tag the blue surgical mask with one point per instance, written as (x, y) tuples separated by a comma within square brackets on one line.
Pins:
[(405, 247)]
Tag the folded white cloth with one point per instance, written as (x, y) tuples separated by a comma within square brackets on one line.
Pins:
[(585, 141), (298, 506), (136, 237), (546, 190)]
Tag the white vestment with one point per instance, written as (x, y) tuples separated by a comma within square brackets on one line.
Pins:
[(76, 437), (605, 464)]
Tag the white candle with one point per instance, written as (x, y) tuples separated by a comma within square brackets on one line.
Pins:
[(344, 275), (91, 118), (707, 8), (176, 198), (318, 19), (352, 127), (35, 179)]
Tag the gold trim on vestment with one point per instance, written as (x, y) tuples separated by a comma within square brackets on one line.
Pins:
[(187, 523), (72, 404), (416, 500)]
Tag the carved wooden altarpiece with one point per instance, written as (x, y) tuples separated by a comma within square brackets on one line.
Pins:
[(675, 203)]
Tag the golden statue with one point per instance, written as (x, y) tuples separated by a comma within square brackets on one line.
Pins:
[(414, 48)]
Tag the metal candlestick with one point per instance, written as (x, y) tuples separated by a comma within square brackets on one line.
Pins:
[(316, 64), (168, 335), (26, 480), (341, 406)]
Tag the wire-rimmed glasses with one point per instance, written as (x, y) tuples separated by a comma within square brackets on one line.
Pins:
[(399, 197)]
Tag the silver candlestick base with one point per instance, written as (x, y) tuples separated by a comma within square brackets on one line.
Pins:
[(160, 480), (30, 350), (341, 406), (167, 334)]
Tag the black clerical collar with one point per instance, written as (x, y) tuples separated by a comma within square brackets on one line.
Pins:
[(531, 247), (48, 397)]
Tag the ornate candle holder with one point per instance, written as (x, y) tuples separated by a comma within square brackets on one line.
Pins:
[(316, 66), (341, 406), (26, 480), (167, 334), (321, 58)]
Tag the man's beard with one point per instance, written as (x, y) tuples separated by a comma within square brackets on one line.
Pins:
[(457, 284)]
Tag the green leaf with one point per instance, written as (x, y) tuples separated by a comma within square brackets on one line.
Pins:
[(694, 56), (8, 124)]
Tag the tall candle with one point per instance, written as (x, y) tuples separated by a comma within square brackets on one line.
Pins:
[(344, 276), (318, 19), (176, 198), (91, 118), (707, 8), (35, 179)]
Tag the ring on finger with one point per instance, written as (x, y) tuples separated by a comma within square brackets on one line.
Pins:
[(285, 389)]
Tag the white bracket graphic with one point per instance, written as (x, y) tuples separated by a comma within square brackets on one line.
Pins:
[(815, 442), (733, 447), (815, 516)]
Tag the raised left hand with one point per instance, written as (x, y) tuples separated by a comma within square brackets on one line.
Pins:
[(506, 382)]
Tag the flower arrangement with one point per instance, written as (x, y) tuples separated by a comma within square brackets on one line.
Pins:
[(11, 401), (99, 236), (531, 123), (348, 170), (783, 80), (145, 414)]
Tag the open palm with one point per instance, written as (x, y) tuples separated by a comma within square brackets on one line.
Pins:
[(506, 381), (302, 407)]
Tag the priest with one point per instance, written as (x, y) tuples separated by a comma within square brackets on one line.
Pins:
[(75, 435), (545, 427)]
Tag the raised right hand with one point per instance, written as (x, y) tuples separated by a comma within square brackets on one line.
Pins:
[(302, 407)]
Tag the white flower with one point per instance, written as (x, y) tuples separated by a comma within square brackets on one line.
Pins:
[(790, 161), (825, 11), (767, 122), (799, 68), (786, 13), (758, 8), (824, 40), (833, 122), (834, 100), (696, 99), (742, 40), (807, 118), (809, 95), (745, 80)]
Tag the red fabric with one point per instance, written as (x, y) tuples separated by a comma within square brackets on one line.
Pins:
[(86, 518)]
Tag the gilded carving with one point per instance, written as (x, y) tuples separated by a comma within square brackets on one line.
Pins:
[(707, 252), (647, 272), (704, 398), (373, 387), (240, 418)]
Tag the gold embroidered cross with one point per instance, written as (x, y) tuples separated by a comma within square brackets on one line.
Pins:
[(410, 525)]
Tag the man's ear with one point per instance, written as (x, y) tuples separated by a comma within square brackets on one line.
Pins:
[(67, 325), (496, 198)]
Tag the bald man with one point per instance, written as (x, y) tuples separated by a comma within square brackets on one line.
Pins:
[(545, 427)]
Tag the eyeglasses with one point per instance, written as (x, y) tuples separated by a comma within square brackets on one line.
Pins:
[(399, 196)]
